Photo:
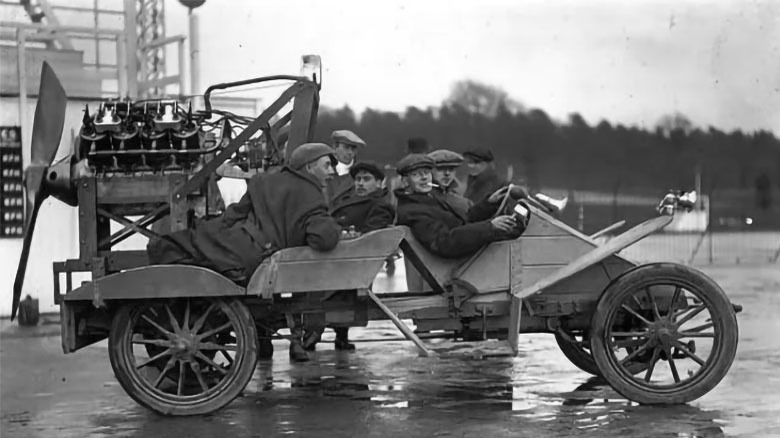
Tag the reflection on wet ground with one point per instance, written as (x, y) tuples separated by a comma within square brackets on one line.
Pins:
[(385, 389)]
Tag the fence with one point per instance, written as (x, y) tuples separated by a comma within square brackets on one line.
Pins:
[(737, 226)]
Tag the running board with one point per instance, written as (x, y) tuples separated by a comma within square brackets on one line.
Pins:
[(408, 333)]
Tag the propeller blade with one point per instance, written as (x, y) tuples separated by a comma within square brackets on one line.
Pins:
[(34, 199), (46, 134), (49, 118)]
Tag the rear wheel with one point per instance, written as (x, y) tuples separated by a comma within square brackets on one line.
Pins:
[(183, 357), (577, 351), (676, 316), (576, 348)]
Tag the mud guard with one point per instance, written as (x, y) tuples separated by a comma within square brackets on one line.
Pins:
[(156, 281)]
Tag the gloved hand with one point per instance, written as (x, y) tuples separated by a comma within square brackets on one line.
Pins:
[(498, 195), (518, 192), (504, 223), (515, 191), (349, 234)]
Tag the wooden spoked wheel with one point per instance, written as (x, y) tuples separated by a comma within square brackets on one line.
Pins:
[(576, 347), (186, 356), (677, 320)]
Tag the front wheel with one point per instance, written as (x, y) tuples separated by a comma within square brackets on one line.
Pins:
[(677, 320), (183, 357)]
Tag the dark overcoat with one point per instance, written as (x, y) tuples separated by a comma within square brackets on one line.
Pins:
[(339, 185), (483, 185), (365, 213), (278, 210), (442, 229), (453, 194)]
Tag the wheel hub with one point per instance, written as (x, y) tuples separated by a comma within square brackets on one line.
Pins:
[(185, 346), (663, 332)]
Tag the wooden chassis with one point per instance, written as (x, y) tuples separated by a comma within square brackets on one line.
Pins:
[(484, 296)]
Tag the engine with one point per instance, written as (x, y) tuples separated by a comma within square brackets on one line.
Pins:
[(146, 136)]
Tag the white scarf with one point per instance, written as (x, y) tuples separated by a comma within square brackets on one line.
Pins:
[(343, 169)]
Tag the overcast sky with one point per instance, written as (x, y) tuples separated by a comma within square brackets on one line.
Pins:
[(629, 62), (718, 62)]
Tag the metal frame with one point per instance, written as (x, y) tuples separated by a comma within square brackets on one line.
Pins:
[(112, 197)]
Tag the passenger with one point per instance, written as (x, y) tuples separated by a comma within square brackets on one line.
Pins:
[(279, 210), (438, 226), (446, 162), (345, 144), (483, 179), (364, 208)]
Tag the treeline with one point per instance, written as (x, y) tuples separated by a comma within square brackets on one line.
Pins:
[(571, 154)]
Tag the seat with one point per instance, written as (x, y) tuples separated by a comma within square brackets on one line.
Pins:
[(353, 264)]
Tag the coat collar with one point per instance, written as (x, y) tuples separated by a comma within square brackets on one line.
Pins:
[(435, 198), (488, 174), (305, 176)]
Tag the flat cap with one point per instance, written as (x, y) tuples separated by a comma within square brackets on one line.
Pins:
[(479, 154), (367, 166), (308, 152), (346, 137), (413, 162), (446, 158)]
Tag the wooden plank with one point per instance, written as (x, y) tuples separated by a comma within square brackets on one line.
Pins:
[(439, 268), (598, 254), (553, 250), (516, 281), (513, 335), (353, 264), (541, 226), (410, 304), (490, 270), (401, 326)]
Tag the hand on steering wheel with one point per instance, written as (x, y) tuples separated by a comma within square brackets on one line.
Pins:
[(504, 223)]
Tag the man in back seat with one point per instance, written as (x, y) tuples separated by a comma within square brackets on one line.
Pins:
[(438, 226), (365, 207), (279, 210)]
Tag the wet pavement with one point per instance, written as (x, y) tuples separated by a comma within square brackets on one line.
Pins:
[(384, 389)]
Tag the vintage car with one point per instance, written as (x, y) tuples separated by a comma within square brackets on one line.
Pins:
[(183, 340)]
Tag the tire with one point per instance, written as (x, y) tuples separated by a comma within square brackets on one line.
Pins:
[(649, 312), (192, 380), (577, 354)]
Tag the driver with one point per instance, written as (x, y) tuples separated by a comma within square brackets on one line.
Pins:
[(438, 226)]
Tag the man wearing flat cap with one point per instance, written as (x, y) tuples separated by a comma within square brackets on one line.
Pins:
[(446, 162), (279, 210), (483, 179), (439, 227), (364, 208), (346, 144)]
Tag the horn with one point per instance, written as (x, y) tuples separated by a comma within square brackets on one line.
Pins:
[(549, 203)]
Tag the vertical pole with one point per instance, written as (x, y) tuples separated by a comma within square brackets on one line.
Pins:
[(194, 53), (21, 71), (121, 66), (709, 223), (182, 76), (97, 37), (131, 49)]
